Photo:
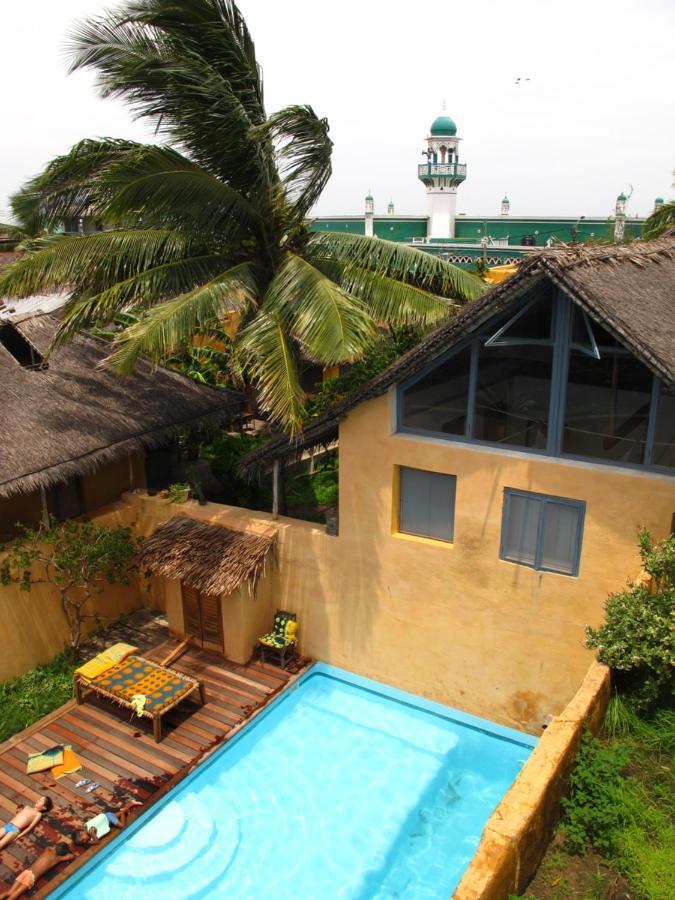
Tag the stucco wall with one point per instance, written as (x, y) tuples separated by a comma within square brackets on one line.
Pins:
[(33, 626), (451, 622)]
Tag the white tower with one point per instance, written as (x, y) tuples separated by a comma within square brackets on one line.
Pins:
[(370, 209), (620, 217), (658, 203), (506, 206), (442, 174), (390, 208)]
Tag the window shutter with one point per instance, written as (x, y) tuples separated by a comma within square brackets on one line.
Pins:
[(521, 529), (427, 504), (559, 547)]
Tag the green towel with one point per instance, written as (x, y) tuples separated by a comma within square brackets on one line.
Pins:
[(40, 762)]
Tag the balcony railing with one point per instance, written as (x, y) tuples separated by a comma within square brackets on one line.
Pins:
[(451, 170)]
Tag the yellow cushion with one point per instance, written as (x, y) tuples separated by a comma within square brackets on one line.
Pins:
[(105, 660), (291, 631), (118, 652)]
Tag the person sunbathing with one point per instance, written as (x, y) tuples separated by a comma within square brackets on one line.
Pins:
[(25, 881), (101, 824), (24, 821)]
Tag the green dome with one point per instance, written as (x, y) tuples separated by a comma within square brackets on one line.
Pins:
[(621, 196), (506, 199), (659, 200), (369, 196), (443, 126)]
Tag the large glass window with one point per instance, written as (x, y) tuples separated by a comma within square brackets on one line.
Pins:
[(663, 453), (438, 401), (607, 407), (505, 387), (512, 395), (542, 532), (427, 504)]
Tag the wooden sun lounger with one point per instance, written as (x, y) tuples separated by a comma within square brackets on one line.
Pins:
[(164, 688)]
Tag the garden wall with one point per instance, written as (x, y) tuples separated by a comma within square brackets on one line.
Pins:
[(34, 629), (518, 832)]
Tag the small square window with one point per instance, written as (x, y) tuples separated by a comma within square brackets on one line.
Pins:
[(542, 532), (427, 504)]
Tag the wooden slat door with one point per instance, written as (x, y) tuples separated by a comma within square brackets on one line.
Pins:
[(212, 622), (202, 618)]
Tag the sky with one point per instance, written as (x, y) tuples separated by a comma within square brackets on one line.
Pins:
[(595, 118)]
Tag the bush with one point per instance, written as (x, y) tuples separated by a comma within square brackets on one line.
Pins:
[(26, 699), (637, 638), (381, 354), (593, 807), (225, 452)]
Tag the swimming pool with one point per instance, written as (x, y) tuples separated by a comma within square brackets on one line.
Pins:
[(343, 787)]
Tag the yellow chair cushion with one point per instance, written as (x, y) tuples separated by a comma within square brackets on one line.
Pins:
[(104, 661)]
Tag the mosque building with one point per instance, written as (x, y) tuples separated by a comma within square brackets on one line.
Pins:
[(464, 239)]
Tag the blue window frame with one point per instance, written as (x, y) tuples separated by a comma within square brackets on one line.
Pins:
[(542, 532), (543, 378), (427, 504)]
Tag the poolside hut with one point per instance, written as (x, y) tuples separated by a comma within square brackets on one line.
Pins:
[(210, 575)]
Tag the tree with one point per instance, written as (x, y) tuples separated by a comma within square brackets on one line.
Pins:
[(662, 219), (77, 558), (214, 223)]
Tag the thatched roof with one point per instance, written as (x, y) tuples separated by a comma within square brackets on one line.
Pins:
[(210, 558), (74, 416), (628, 289)]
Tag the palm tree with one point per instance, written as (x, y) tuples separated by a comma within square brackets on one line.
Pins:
[(662, 219), (213, 223)]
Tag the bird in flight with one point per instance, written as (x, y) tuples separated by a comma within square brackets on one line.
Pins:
[(518, 80)]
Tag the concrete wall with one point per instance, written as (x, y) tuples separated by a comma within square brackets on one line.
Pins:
[(517, 833)]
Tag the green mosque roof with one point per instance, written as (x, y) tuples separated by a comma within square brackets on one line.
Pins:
[(443, 126)]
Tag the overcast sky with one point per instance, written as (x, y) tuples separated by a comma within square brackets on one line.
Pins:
[(596, 117)]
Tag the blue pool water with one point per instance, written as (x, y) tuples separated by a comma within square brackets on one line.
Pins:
[(344, 788)]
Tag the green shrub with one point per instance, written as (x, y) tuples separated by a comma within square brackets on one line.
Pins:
[(637, 637), (381, 354), (225, 452), (592, 811), (26, 699)]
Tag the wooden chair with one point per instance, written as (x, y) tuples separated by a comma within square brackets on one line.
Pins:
[(280, 644)]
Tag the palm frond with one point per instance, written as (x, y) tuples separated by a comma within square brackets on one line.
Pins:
[(406, 264), (190, 69), (303, 152), (388, 300), (272, 362), (331, 325), (69, 186), (159, 185), (146, 289), (168, 327), (660, 220), (93, 262)]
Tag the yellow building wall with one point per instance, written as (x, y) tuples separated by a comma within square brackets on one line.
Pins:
[(33, 629), (451, 622)]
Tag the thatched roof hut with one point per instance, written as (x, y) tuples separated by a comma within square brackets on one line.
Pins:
[(71, 416), (627, 288), (210, 558)]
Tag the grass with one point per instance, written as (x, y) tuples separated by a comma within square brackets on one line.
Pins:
[(638, 846), (26, 699)]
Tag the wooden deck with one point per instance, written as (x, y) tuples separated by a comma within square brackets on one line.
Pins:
[(120, 754)]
